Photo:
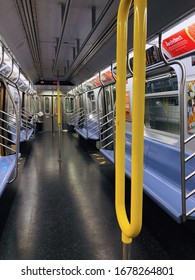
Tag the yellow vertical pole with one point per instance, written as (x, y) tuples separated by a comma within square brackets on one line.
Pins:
[(59, 105), (53, 108), (121, 55), (130, 229), (139, 38), (59, 119)]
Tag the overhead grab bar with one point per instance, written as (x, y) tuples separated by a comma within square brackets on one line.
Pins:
[(130, 229)]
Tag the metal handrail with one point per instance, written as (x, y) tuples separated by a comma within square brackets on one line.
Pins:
[(190, 194), (71, 118), (103, 130), (130, 229), (90, 126), (105, 138), (2, 136), (78, 110), (101, 119), (190, 157), (189, 139), (190, 175), (182, 136), (190, 212), (17, 130), (8, 114), (26, 114), (79, 113), (4, 129), (7, 147), (25, 126), (106, 115), (106, 130), (107, 144)]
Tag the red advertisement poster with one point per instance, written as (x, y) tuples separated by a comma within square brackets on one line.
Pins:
[(181, 42), (107, 77), (96, 81)]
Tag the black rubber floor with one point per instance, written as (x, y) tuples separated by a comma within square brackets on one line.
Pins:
[(65, 210)]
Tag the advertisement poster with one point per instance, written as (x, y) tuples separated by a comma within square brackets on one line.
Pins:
[(181, 42), (96, 81), (127, 104), (107, 77), (191, 106), (152, 55), (90, 85)]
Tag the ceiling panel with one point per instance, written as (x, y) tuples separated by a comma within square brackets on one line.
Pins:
[(74, 64)]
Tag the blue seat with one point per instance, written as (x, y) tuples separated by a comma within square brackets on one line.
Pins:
[(7, 164), (93, 129), (108, 154), (162, 175), (25, 134), (162, 179), (82, 131), (89, 130)]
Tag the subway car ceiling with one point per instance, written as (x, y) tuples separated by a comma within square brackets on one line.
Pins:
[(72, 39)]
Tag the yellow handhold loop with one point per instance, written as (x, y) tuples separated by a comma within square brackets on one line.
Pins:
[(130, 229)]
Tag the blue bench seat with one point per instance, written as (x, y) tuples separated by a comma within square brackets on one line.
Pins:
[(7, 164), (25, 134), (82, 131), (162, 179), (162, 175), (109, 154), (166, 195), (89, 130)]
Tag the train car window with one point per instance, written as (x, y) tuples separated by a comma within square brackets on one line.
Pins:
[(71, 104), (162, 113), (81, 105), (37, 103), (76, 102), (161, 107), (15, 97), (114, 94), (162, 85), (55, 106), (114, 99), (68, 103), (91, 102), (31, 104), (47, 106), (108, 100)]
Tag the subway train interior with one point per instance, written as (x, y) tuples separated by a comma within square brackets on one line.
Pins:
[(97, 130)]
